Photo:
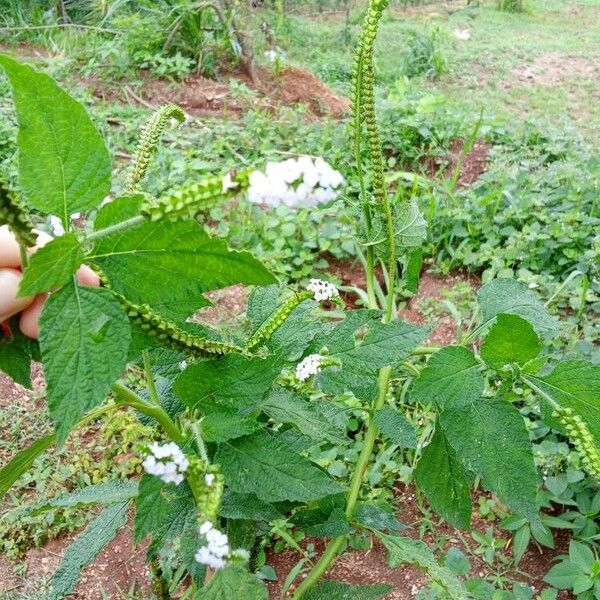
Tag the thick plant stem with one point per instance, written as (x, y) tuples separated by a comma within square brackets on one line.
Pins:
[(333, 548)]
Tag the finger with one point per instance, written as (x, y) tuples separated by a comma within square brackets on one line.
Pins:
[(10, 254), (87, 277), (10, 305), (29, 322)]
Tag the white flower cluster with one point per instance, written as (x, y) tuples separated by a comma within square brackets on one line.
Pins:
[(166, 461), (215, 553), (323, 290), (296, 182), (309, 366)]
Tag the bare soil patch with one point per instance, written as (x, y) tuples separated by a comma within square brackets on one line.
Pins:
[(204, 97), (555, 69), (471, 165)]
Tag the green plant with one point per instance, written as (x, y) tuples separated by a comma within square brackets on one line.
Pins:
[(578, 572), (424, 53), (511, 5), (247, 422)]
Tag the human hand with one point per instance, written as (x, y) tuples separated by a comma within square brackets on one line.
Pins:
[(11, 275)]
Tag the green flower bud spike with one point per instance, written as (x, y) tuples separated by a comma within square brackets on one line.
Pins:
[(148, 143), (189, 200), (13, 215), (582, 439)]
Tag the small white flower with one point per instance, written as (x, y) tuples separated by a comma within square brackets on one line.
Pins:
[(214, 554), (56, 225), (183, 365), (271, 55), (295, 182), (167, 462), (209, 479), (323, 290), (229, 183), (309, 366)]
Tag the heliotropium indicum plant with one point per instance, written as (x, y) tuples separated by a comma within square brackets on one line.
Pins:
[(237, 419)]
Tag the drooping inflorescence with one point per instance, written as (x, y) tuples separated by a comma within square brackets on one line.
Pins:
[(13, 215), (295, 182), (189, 200), (167, 462), (583, 440), (151, 133)]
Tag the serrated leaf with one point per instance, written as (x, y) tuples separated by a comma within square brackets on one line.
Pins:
[(378, 515), (451, 378), (510, 340), (64, 166), (393, 425), (236, 381), (52, 266), (364, 344), (262, 303), (309, 417), (161, 509), (410, 226), (575, 384), (16, 354), (22, 461), (247, 506), (335, 525), (444, 482), (490, 439), (562, 575), (335, 590), (263, 465), (86, 547), (84, 338), (405, 550), (511, 297), (169, 264), (109, 492), (221, 423), (234, 582)]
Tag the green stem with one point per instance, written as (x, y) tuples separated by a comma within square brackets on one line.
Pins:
[(24, 256), (150, 383), (534, 388), (332, 549), (132, 222)]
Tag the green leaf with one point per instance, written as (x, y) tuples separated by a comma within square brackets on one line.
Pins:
[(84, 338), (222, 423), (261, 464), (510, 340), (562, 575), (86, 547), (412, 271), (169, 264), (168, 400), (575, 384), (161, 509), (364, 344), (411, 227), (378, 515), (444, 482), (262, 303), (64, 166), (335, 590), (581, 556), (490, 438), (405, 550), (247, 506), (52, 265), (451, 378), (310, 418), (234, 582), (109, 492), (457, 561), (393, 425), (16, 354), (233, 380), (521, 540), (510, 296), (22, 461)]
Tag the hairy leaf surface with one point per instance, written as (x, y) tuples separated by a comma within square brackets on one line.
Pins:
[(335, 590), (510, 340), (393, 424), (52, 265), (444, 482), (84, 338), (235, 582), (451, 378), (64, 166), (261, 464), (490, 439), (511, 297)]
